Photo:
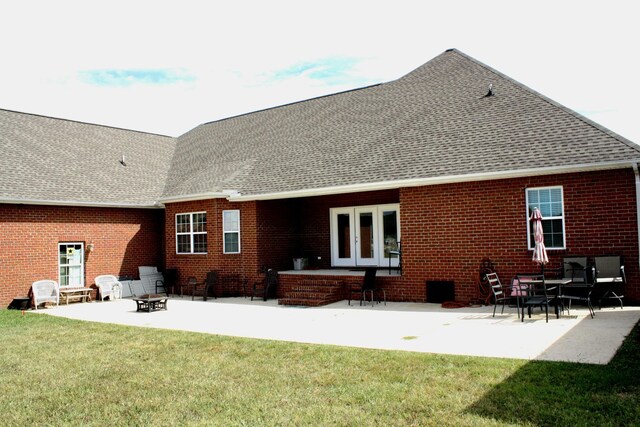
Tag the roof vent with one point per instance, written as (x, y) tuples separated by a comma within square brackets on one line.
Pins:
[(490, 93), (122, 162)]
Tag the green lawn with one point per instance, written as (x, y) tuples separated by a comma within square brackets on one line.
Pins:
[(55, 371)]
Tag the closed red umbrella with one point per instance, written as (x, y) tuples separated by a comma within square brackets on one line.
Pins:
[(539, 252)]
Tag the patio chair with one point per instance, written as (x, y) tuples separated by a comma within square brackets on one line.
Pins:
[(211, 281), (610, 279), (43, 291), (536, 294), (498, 291), (369, 286), (108, 286), (579, 291), (266, 286), (168, 281), (197, 288), (574, 268)]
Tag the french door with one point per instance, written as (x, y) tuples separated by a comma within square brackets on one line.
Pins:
[(71, 265), (364, 235)]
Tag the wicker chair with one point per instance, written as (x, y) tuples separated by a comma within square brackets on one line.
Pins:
[(108, 286), (45, 291)]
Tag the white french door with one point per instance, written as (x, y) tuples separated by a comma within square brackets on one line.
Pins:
[(364, 235), (71, 265)]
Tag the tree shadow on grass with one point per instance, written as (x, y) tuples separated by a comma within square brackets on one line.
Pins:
[(561, 393)]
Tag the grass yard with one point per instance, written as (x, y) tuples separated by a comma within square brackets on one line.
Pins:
[(56, 371)]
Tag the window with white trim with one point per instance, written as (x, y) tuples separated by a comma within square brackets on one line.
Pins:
[(191, 233), (550, 202), (231, 231)]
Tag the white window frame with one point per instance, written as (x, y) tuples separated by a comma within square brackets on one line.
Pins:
[(378, 210), (564, 231), (232, 231), (190, 233), (80, 264)]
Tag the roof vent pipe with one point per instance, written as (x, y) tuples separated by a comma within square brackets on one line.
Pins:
[(122, 162)]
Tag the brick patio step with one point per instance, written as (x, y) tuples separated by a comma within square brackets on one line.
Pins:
[(313, 293)]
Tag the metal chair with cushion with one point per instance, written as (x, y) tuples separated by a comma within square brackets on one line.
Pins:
[(610, 279), (579, 291)]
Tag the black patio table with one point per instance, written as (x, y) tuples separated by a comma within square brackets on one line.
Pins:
[(151, 302)]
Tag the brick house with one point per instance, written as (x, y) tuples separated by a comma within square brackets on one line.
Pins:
[(448, 160)]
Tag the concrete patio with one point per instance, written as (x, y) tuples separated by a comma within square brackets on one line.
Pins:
[(417, 327)]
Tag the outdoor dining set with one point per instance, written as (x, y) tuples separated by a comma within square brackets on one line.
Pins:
[(579, 281)]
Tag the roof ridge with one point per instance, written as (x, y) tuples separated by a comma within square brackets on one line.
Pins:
[(84, 123), (550, 101)]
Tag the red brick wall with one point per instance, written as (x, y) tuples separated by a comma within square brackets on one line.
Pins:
[(448, 229), (315, 226), (29, 237), (244, 264)]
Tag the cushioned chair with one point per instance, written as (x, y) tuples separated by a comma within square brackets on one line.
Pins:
[(574, 268), (106, 285), (43, 291), (267, 286), (610, 279), (580, 291)]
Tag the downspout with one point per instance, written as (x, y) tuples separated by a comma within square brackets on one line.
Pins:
[(637, 174)]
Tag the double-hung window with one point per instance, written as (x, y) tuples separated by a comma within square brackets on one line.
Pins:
[(191, 233), (231, 232), (550, 202)]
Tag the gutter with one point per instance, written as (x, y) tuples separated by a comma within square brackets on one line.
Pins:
[(83, 204), (637, 175), (225, 194)]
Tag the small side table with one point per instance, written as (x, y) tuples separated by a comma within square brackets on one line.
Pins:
[(150, 302)]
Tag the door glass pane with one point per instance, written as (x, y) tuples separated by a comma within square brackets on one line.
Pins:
[(344, 236), (390, 231), (366, 235)]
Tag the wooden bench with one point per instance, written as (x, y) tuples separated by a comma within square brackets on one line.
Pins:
[(75, 294)]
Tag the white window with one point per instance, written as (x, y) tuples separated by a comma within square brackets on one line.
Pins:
[(364, 235), (231, 232), (191, 233), (71, 265), (550, 202)]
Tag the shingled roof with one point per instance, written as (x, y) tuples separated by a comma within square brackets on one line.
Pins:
[(54, 161), (433, 125)]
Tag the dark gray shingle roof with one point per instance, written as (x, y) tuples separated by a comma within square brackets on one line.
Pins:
[(432, 123), (62, 161)]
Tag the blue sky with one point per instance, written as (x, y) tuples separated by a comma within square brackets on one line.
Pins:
[(165, 67)]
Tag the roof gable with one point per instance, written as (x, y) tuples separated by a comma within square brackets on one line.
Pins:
[(433, 123)]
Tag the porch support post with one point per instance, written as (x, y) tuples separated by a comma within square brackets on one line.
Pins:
[(637, 175)]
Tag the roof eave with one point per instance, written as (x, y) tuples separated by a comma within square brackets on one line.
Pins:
[(419, 182), (198, 196), (81, 203)]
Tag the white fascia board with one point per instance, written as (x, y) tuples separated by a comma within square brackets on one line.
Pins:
[(82, 204), (199, 196), (419, 182)]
